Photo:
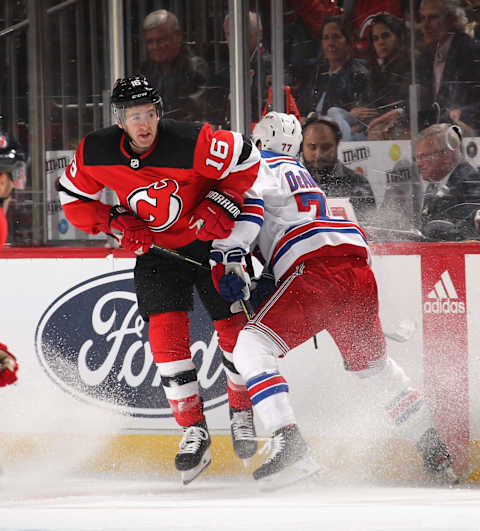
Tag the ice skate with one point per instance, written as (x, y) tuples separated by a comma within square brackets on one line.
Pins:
[(194, 452), (436, 459), (290, 460), (242, 428)]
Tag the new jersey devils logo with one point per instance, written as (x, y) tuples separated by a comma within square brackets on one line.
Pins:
[(157, 204)]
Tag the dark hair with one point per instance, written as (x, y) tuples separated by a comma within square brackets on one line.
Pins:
[(313, 119), (400, 59), (394, 24), (343, 23)]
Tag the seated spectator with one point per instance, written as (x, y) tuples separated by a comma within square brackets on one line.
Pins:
[(303, 25), (314, 12), (473, 14), (398, 215), (448, 67), (362, 13), (336, 87), (452, 196), (389, 64), (12, 191), (180, 76), (319, 154), (260, 69)]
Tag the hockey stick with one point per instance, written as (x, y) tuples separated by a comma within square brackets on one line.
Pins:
[(178, 256), (246, 304)]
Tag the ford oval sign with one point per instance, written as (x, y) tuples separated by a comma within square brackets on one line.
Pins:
[(94, 344)]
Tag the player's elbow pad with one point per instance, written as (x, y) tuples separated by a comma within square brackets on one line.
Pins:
[(91, 217)]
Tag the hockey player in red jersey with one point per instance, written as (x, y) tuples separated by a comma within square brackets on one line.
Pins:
[(179, 186), (323, 282), (8, 362)]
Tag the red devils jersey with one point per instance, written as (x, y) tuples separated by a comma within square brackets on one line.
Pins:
[(162, 186)]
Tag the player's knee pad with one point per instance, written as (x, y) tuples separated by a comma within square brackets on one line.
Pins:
[(228, 329), (169, 336), (253, 354), (231, 371)]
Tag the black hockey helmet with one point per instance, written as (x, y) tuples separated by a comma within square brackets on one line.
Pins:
[(12, 160), (134, 90)]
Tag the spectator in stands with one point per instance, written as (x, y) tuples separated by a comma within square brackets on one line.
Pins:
[(180, 76), (338, 85), (448, 67), (12, 191), (260, 71), (473, 14), (398, 215), (319, 154), (362, 12), (303, 25), (314, 12), (452, 196), (389, 64)]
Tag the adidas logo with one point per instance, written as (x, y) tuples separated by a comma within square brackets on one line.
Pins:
[(444, 297)]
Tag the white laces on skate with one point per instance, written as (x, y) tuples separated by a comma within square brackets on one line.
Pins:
[(274, 445), (242, 426), (192, 438)]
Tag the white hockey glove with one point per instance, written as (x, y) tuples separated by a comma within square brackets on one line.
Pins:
[(229, 274)]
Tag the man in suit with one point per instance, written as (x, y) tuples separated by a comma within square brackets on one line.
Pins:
[(179, 75), (452, 195), (448, 68)]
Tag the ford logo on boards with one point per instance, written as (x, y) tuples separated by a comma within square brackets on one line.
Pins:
[(93, 343)]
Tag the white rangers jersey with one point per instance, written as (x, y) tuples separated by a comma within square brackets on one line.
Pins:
[(286, 215)]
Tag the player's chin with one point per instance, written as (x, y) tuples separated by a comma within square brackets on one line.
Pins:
[(144, 140)]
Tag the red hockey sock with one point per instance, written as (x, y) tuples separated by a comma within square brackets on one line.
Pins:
[(170, 343), (228, 330)]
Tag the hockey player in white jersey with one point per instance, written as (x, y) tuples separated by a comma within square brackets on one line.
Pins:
[(321, 267)]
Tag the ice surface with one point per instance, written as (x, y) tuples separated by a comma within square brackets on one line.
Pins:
[(119, 503)]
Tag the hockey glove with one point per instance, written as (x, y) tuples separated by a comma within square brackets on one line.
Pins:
[(132, 232), (229, 274), (8, 367), (215, 216), (261, 289)]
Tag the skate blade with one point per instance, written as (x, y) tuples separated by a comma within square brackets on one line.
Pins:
[(189, 475), (307, 468), (446, 478)]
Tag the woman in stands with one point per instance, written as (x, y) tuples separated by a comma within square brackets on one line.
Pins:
[(389, 64), (338, 84)]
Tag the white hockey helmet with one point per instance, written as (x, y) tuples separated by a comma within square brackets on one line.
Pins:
[(279, 132)]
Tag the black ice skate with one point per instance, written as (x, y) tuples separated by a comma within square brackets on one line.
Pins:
[(243, 433), (194, 453), (437, 462), (289, 461)]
